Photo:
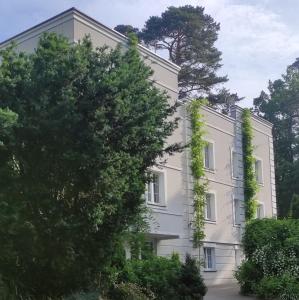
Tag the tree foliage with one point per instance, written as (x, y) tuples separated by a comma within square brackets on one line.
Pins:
[(281, 107), (294, 209), (223, 100), (79, 128), (126, 29), (188, 35)]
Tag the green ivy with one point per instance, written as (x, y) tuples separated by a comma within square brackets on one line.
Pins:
[(250, 183), (197, 168)]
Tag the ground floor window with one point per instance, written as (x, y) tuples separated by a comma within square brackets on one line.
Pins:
[(209, 259)]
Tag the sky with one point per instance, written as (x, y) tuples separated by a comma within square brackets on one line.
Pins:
[(258, 38)]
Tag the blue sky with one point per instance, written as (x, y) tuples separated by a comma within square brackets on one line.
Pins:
[(258, 38)]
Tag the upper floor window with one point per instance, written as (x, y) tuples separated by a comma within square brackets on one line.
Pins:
[(235, 164), (209, 259), (210, 207), (209, 156), (237, 212), (258, 168), (260, 212), (155, 189)]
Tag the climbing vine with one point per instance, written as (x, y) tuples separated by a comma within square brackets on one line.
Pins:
[(250, 183), (197, 168)]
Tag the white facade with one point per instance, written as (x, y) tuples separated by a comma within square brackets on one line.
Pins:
[(170, 196)]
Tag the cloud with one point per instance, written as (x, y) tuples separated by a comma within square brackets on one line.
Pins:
[(257, 44)]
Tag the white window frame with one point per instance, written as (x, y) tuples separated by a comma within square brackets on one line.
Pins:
[(261, 181), (161, 173), (213, 218), (234, 212), (263, 206), (232, 152), (212, 268), (213, 168)]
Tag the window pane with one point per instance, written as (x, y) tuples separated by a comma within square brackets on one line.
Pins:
[(208, 207), (260, 211), (156, 188), (149, 192), (237, 211), (207, 158), (209, 259), (258, 171), (235, 164)]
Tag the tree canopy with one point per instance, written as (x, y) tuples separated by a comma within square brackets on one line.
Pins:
[(281, 107), (189, 36), (126, 29), (79, 128)]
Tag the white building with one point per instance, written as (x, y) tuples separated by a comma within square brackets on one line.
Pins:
[(170, 196)]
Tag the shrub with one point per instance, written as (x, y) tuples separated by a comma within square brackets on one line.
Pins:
[(259, 233), (271, 269), (130, 291), (248, 275), (166, 278), (158, 274), (190, 282), (95, 295), (282, 287)]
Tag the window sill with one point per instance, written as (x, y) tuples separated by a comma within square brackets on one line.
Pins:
[(159, 205), (210, 270), (237, 225), (210, 222), (212, 171)]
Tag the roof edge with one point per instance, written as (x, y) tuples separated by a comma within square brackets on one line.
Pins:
[(75, 11)]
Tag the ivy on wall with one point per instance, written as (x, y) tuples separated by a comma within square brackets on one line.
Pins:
[(250, 183), (197, 167)]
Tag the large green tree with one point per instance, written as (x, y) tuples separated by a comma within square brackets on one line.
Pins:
[(189, 36), (79, 128), (281, 107)]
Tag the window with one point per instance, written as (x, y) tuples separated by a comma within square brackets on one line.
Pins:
[(258, 171), (237, 212), (210, 207), (260, 214), (155, 190), (149, 248), (209, 156), (209, 259), (235, 164)]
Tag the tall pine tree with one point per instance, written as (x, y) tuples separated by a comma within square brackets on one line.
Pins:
[(281, 107)]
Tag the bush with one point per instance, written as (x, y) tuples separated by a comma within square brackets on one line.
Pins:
[(130, 291), (158, 274), (166, 278), (248, 275), (282, 287), (259, 233), (190, 282), (271, 269), (84, 296)]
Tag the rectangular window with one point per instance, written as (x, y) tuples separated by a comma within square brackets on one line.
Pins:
[(155, 189), (237, 212), (235, 165), (209, 259), (260, 214), (210, 207), (258, 171), (209, 156)]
